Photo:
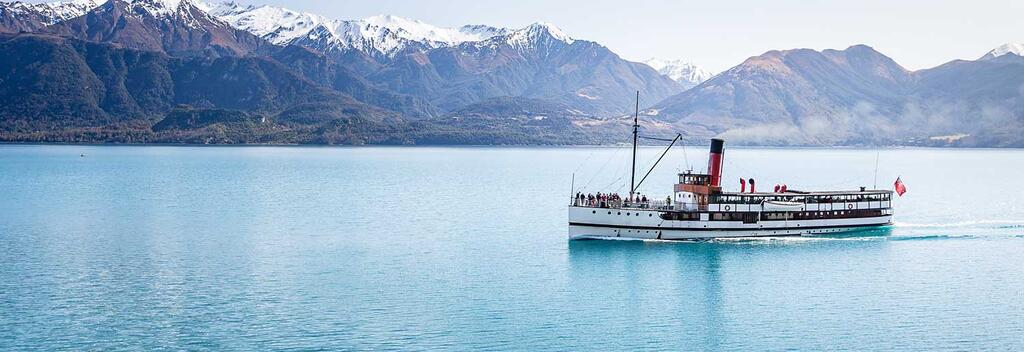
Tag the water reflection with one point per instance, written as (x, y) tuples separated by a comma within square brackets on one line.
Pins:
[(697, 290)]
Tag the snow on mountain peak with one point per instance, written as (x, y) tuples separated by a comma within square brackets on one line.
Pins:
[(380, 35), (277, 25), (549, 29), (556, 32), (191, 13), (482, 32), (54, 12), (681, 71), (1010, 48), (536, 36), (385, 35), (156, 7), (432, 35)]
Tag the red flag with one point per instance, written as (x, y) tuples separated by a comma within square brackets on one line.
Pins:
[(900, 187)]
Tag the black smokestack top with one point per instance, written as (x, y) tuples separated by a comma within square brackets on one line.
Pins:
[(717, 145)]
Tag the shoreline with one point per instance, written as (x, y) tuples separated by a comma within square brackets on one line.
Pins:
[(497, 146)]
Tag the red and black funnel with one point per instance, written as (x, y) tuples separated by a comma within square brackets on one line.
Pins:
[(715, 161)]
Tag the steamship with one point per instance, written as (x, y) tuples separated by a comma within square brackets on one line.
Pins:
[(700, 209)]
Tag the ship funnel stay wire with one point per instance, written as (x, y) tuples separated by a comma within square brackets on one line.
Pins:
[(686, 158), (607, 162)]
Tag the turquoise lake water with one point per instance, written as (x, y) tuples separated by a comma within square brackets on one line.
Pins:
[(278, 248)]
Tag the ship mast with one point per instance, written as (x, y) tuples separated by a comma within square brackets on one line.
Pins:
[(636, 130)]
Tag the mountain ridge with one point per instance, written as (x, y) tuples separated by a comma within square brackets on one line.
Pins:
[(152, 69), (855, 96), (184, 28)]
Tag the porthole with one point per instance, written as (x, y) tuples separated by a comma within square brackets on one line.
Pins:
[(620, 213), (595, 211), (650, 215)]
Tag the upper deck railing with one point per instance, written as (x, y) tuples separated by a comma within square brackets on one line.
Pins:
[(621, 204)]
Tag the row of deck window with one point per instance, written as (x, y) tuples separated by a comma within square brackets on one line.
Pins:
[(846, 198), (752, 216)]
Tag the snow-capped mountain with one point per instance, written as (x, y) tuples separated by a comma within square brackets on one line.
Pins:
[(50, 13), (60, 11), (538, 61), (277, 25), (166, 8), (529, 35), (684, 72), (539, 38), (176, 27), (454, 66), (432, 35), (1009, 48), (383, 36), (378, 36), (21, 16), (432, 68)]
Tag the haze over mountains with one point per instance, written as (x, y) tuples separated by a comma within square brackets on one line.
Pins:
[(856, 96), (198, 72)]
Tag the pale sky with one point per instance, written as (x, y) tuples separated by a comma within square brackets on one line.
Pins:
[(719, 34)]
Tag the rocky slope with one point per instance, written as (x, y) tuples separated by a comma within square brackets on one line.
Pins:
[(55, 87), (971, 103), (176, 27), (28, 17), (537, 62), (456, 67)]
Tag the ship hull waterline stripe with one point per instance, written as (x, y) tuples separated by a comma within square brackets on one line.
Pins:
[(725, 230)]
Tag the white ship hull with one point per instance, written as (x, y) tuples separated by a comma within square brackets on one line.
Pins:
[(596, 223), (699, 208)]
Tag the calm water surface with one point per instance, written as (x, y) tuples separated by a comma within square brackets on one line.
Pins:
[(465, 249)]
